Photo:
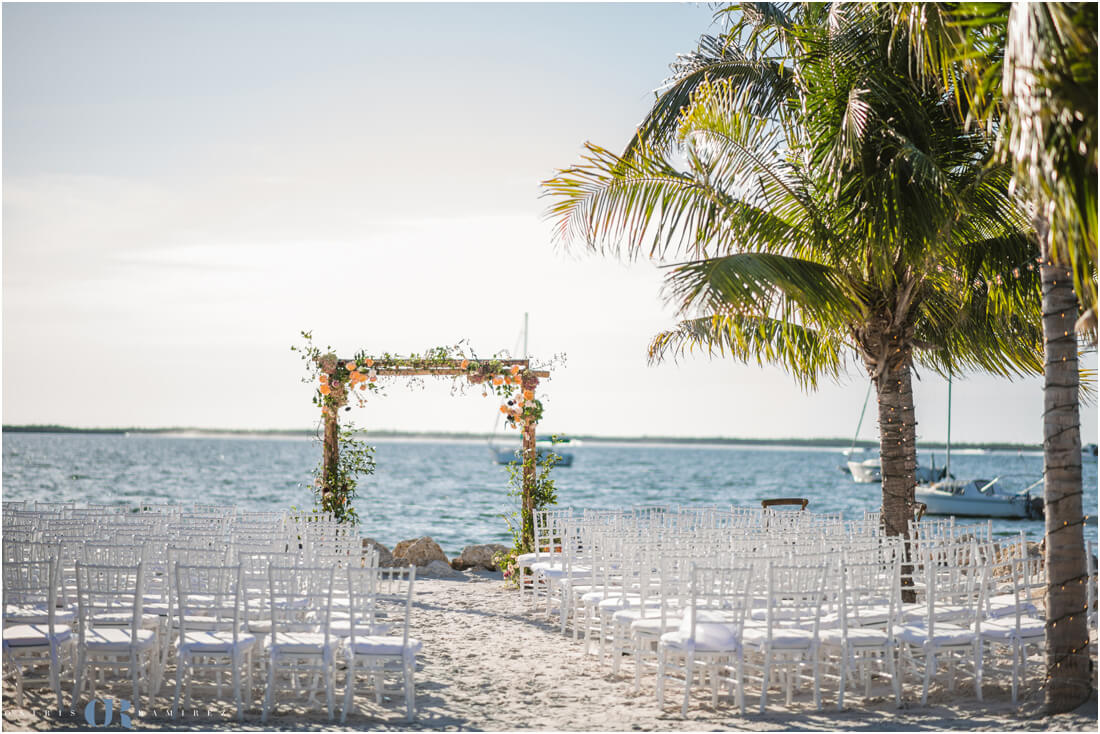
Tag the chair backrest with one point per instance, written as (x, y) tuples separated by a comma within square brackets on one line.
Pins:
[(32, 583), (103, 589), (300, 599), (718, 595), (393, 594), (213, 594), (128, 554), (795, 593)]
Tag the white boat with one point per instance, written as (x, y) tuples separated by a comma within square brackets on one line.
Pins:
[(544, 446), (512, 455), (982, 498), (868, 471)]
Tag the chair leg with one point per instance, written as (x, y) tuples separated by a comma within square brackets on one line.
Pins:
[(135, 670), (978, 669), (81, 660), (895, 681), (236, 673), (181, 664), (349, 688), (842, 672), (741, 682), (661, 652), (689, 669), (410, 691), (270, 686), (929, 668), (765, 679)]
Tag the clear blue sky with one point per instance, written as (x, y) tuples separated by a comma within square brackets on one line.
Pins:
[(188, 186)]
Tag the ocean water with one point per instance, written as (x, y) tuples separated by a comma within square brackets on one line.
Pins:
[(452, 490)]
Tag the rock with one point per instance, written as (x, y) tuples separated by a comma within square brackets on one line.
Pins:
[(478, 556), (418, 552), (438, 569), (385, 558)]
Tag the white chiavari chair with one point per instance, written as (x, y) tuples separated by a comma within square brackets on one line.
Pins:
[(30, 642)]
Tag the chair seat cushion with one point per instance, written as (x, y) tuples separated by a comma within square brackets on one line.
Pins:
[(1005, 605), (213, 642), (342, 628), (111, 639), (916, 633), (787, 638), (123, 619), (628, 615), (942, 612), (653, 627), (301, 643), (708, 637), (857, 637), (26, 635), (1005, 628), (384, 645), (37, 614)]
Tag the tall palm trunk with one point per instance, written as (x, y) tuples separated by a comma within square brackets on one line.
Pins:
[(1070, 682), (898, 453)]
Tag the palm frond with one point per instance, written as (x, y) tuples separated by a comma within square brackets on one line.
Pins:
[(808, 355)]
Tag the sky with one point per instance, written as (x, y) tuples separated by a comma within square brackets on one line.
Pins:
[(188, 187)]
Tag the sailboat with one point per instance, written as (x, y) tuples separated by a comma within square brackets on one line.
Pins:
[(544, 446), (869, 470)]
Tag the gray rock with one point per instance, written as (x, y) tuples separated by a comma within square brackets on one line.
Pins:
[(418, 552), (438, 569), (385, 557), (478, 556)]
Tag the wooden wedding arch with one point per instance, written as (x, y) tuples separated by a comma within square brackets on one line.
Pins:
[(514, 380)]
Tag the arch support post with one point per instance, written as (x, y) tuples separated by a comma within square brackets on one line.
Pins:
[(331, 456), (530, 468)]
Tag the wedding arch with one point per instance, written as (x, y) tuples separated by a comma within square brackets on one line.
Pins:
[(337, 380)]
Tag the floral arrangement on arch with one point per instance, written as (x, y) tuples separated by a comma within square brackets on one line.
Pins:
[(338, 381)]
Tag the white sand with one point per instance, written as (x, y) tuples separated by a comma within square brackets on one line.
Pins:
[(488, 664)]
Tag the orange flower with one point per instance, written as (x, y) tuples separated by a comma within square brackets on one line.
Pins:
[(350, 366), (325, 389), (529, 394), (370, 362), (517, 380), (323, 378), (515, 369), (504, 409), (498, 380), (465, 363), (362, 385)]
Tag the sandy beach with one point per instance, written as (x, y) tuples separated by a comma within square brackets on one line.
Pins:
[(489, 665)]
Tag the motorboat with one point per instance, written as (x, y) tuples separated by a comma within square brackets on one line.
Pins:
[(544, 448), (998, 497)]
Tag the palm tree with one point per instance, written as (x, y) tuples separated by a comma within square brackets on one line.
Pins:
[(829, 207), (1028, 73)]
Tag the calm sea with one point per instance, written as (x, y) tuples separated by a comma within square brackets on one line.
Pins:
[(452, 490)]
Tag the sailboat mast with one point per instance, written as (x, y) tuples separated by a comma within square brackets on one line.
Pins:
[(947, 469)]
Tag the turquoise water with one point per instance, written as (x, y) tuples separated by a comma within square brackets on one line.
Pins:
[(452, 490)]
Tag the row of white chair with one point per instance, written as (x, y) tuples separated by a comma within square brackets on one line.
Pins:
[(308, 617)]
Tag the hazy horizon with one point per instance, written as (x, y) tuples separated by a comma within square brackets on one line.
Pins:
[(187, 187)]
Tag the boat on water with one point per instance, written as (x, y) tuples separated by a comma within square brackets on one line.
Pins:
[(867, 471), (512, 455), (544, 446), (999, 497)]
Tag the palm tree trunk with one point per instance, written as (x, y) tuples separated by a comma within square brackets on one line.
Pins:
[(898, 453), (1070, 682)]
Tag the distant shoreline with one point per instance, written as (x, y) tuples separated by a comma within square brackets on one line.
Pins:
[(695, 440)]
